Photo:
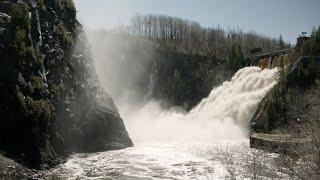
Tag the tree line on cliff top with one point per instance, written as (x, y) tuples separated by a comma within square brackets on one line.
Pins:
[(191, 59)]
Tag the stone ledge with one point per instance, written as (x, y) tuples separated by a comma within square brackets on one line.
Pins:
[(276, 142)]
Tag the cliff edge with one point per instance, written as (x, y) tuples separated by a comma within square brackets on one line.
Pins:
[(51, 101)]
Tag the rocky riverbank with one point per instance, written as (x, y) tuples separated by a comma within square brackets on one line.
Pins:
[(10, 169)]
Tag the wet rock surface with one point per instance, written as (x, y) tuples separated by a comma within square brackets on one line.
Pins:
[(12, 170), (276, 142), (51, 103)]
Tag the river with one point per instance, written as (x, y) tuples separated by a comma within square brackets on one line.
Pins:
[(219, 160), (209, 142)]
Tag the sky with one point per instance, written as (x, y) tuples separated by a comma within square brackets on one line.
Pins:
[(268, 17)]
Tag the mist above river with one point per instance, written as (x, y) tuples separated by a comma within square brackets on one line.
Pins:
[(224, 115), (208, 142), (124, 65)]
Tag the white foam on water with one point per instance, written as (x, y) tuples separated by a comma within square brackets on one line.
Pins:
[(224, 114)]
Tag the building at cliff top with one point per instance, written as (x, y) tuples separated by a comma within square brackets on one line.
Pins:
[(302, 43)]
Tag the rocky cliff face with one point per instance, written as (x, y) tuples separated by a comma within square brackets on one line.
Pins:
[(51, 102), (283, 107)]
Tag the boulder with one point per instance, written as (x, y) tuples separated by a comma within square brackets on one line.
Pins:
[(101, 128)]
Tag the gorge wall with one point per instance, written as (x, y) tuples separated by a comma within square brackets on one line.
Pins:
[(174, 60), (51, 101)]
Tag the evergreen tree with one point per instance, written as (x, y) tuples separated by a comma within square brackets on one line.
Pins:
[(281, 44), (236, 59)]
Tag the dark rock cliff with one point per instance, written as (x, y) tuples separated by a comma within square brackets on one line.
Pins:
[(51, 102)]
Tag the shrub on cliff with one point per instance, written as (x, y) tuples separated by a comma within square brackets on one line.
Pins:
[(315, 42), (65, 4), (306, 76), (64, 36), (20, 23), (41, 112), (67, 12), (20, 16), (41, 4), (236, 59), (37, 85), (33, 125), (18, 47)]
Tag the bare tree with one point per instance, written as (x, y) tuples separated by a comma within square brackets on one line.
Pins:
[(304, 160), (191, 38)]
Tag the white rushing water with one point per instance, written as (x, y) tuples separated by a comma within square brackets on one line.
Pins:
[(216, 160), (209, 142), (225, 114)]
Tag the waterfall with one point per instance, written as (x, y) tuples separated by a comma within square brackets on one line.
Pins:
[(224, 114), (37, 19), (152, 81), (39, 43)]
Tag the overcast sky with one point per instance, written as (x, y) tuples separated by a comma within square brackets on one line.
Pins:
[(268, 17)]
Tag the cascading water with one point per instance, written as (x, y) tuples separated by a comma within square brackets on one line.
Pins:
[(37, 19), (225, 114), (209, 142)]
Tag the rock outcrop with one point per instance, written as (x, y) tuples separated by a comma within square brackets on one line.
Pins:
[(271, 112), (51, 101), (279, 143)]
